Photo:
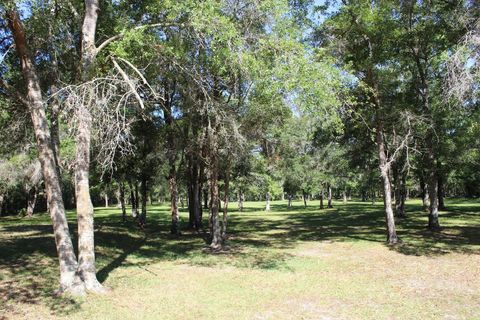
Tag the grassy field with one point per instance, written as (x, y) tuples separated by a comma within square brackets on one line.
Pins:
[(285, 264)]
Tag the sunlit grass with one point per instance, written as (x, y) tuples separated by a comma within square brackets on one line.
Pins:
[(298, 263)]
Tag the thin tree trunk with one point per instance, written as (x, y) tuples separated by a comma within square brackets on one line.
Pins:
[(144, 191), (289, 201), (267, 197), (304, 195), (344, 194), (122, 201), (205, 198), (321, 199), (240, 201), (32, 200), (172, 184), (387, 192), (225, 201), (215, 230), (2, 198), (329, 188), (133, 199), (441, 192), (66, 255), (105, 197)]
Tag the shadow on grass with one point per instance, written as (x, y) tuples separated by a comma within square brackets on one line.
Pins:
[(28, 263)]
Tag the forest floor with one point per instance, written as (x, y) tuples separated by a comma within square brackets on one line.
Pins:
[(284, 264)]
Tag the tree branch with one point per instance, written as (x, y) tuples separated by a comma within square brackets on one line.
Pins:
[(119, 36)]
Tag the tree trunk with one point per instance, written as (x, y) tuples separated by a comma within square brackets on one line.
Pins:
[(240, 201), (31, 201), (267, 197), (321, 199), (425, 195), (289, 201), (215, 230), (2, 198), (122, 201), (134, 199), (66, 254), (205, 198), (304, 195), (329, 188), (344, 194), (225, 201), (86, 246), (172, 184), (144, 192), (441, 192), (105, 197), (387, 192)]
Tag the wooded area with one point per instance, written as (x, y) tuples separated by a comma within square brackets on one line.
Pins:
[(212, 108)]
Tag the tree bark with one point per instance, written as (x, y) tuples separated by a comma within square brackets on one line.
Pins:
[(344, 194), (66, 255), (387, 192), (304, 195), (86, 246)]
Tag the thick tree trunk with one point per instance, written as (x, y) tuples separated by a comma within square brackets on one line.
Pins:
[(387, 192), (267, 198), (329, 188), (46, 155), (31, 201), (86, 246)]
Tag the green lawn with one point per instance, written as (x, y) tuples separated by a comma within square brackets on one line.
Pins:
[(285, 264)]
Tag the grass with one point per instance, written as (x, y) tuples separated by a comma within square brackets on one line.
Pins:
[(302, 263)]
